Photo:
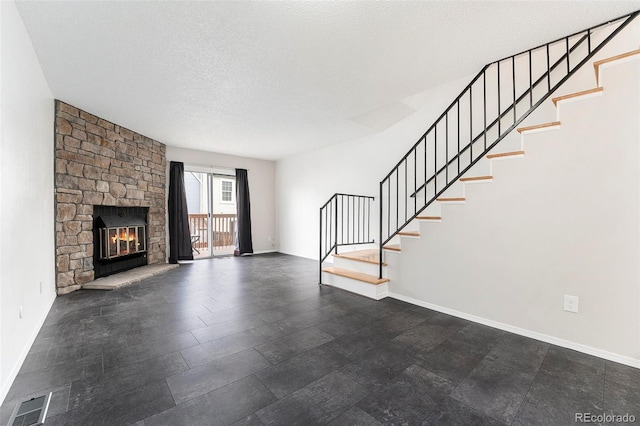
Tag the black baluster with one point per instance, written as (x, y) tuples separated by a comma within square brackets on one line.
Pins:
[(484, 103), (513, 75)]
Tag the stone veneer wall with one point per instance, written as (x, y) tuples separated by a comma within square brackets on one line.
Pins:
[(101, 163)]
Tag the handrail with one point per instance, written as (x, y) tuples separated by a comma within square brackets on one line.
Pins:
[(466, 97), (345, 219), (611, 21)]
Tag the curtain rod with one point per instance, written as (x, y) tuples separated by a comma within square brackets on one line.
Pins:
[(209, 166)]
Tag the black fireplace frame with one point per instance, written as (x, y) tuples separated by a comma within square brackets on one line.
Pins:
[(106, 267)]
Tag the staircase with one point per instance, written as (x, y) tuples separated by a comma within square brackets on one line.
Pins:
[(488, 122)]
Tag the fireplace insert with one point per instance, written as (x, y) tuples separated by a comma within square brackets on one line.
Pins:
[(120, 239), (121, 236)]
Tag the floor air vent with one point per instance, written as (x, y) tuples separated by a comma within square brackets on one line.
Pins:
[(31, 412)]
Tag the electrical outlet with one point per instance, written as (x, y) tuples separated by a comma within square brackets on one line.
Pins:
[(571, 303)]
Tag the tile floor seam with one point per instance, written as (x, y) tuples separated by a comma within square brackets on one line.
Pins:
[(347, 409), (351, 376), (213, 390), (201, 320), (205, 306), (604, 388), (184, 359), (267, 387), (197, 340), (530, 386), (455, 388), (175, 403), (68, 397)]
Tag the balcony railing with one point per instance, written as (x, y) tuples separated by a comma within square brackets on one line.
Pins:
[(224, 228)]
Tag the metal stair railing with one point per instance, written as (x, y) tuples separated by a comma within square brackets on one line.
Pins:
[(345, 220)]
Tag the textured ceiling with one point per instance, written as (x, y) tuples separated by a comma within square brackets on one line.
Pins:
[(271, 79)]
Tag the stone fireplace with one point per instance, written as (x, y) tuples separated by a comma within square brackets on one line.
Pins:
[(100, 165)]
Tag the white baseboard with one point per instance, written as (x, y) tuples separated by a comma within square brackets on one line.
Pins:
[(261, 252), (297, 255), (600, 353), (16, 368)]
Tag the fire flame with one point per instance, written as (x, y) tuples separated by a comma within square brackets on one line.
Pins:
[(123, 236)]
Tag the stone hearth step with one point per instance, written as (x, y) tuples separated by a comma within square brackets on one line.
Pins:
[(128, 277)]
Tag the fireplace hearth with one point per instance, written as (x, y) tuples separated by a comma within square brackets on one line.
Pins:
[(120, 234)]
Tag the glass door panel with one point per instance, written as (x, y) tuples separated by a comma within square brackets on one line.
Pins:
[(197, 190), (211, 201), (223, 208)]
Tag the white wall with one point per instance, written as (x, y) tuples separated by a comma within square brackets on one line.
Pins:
[(304, 182), (261, 187), (26, 197)]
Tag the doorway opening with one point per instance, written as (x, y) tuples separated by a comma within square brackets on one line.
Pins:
[(211, 201)]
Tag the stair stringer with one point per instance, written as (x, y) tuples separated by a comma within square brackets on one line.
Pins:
[(544, 228)]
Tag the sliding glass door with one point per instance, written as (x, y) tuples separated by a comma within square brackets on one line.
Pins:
[(212, 212)]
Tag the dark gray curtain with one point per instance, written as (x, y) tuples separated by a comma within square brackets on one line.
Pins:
[(179, 235), (244, 243)]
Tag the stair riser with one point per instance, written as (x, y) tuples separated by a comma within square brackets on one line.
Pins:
[(513, 142), (454, 191), (541, 130), (427, 228), (408, 237), (354, 265), (578, 96), (433, 210), (371, 291), (392, 253), (603, 67), (508, 158), (477, 182), (481, 168), (413, 226)]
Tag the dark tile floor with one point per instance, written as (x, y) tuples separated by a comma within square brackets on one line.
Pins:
[(254, 340)]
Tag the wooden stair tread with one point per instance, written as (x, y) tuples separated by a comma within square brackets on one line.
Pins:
[(429, 217), (445, 199), (392, 247), (505, 154), (360, 276), (409, 233), (577, 94), (596, 64), (538, 126), (475, 178), (367, 256)]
